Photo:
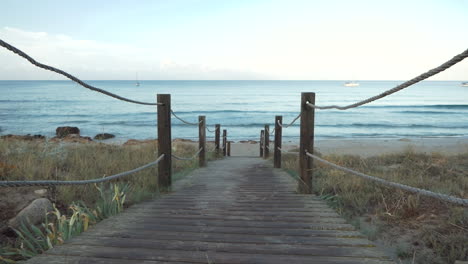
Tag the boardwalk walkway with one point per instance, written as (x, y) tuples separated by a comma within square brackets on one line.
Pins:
[(236, 210)]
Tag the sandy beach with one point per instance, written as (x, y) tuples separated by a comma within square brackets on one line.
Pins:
[(367, 147)]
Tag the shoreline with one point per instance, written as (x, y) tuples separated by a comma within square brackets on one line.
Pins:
[(364, 147)]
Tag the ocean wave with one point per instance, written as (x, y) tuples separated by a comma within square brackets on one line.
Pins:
[(436, 106), (429, 112)]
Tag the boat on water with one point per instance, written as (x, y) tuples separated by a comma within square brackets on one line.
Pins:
[(464, 84), (351, 84), (137, 83)]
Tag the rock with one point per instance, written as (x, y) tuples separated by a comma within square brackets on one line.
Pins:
[(72, 138), (23, 137), (248, 141), (41, 192), (62, 132), (104, 136), (35, 213), (405, 139), (12, 201)]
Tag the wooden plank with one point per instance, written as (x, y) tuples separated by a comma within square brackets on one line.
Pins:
[(274, 249), (201, 256), (262, 141), (306, 143), (224, 142), (266, 144), (202, 141), (217, 136), (164, 141), (235, 230), (278, 139)]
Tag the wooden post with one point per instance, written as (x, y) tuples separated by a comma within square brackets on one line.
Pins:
[(262, 136), (217, 134), (164, 141), (224, 141), (266, 144), (202, 141), (306, 143), (278, 135), (229, 148)]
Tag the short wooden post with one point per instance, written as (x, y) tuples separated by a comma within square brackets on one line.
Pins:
[(278, 135), (202, 141), (306, 142), (262, 136), (224, 142), (266, 144), (164, 141), (229, 148), (217, 134)]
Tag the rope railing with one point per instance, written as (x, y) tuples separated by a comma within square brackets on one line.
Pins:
[(211, 131), (400, 87), (69, 76), (290, 124), (288, 152), (184, 121), (191, 158), (439, 196), (77, 182)]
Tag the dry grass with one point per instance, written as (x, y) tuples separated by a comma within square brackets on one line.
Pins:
[(39, 160), (430, 230)]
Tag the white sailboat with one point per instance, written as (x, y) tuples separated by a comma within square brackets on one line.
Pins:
[(351, 84), (137, 83)]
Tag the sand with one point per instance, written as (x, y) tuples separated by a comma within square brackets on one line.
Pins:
[(367, 147)]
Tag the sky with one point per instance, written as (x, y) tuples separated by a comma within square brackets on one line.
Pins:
[(234, 39)]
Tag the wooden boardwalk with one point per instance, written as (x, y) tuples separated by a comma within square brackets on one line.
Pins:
[(236, 210)]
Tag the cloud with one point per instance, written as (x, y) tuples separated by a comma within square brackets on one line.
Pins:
[(93, 60)]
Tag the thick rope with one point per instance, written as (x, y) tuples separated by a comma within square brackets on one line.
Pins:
[(211, 131), (290, 124), (439, 196), (402, 86), (287, 152), (79, 182), (185, 122), (191, 158), (69, 76)]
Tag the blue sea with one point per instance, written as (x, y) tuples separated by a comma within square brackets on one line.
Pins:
[(427, 109)]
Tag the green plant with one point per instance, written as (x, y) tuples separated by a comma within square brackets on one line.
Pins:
[(58, 227)]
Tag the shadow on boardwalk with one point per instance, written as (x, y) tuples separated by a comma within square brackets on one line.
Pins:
[(236, 210)]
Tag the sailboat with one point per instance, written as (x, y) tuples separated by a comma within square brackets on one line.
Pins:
[(351, 84), (464, 84), (137, 83)]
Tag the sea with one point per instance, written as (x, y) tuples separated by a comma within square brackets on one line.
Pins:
[(426, 109)]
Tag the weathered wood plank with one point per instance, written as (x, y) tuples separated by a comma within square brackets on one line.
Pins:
[(281, 249), (201, 256)]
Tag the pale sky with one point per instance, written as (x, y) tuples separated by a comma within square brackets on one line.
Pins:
[(235, 39)]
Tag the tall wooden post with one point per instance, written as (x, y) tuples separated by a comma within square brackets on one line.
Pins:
[(278, 135), (224, 142), (217, 134), (229, 148), (202, 141), (164, 141), (266, 146), (306, 142), (262, 136)]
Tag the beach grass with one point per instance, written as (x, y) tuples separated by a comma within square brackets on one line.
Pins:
[(420, 229), (41, 160)]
